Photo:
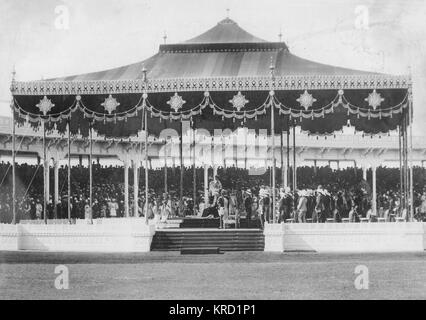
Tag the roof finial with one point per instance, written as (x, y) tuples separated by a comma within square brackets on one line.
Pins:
[(13, 73), (272, 67), (280, 35), (165, 37), (144, 72), (227, 13)]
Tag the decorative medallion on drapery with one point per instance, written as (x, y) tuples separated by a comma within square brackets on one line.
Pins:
[(374, 99), (110, 104), (238, 101), (176, 102), (306, 100), (45, 105)]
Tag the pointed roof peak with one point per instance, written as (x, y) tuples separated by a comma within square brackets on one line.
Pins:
[(225, 31), (227, 20)]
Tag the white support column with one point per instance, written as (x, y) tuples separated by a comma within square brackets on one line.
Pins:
[(135, 189), (285, 176), (47, 180), (374, 197), (364, 172), (206, 185), (214, 171), (56, 195), (295, 176), (126, 189)]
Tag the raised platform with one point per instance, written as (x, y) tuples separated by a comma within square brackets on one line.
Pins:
[(224, 239), (104, 235), (346, 237)]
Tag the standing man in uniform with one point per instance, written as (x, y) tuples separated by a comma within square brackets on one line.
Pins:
[(215, 189)]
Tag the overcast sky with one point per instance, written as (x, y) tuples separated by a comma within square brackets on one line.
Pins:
[(110, 33)]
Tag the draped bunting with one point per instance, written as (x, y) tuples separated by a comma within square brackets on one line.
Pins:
[(120, 115)]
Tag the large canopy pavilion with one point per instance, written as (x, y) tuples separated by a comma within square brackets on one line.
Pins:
[(224, 78)]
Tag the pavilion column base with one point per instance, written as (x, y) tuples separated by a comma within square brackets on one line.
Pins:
[(346, 237)]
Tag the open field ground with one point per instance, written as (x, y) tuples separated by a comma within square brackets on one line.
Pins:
[(238, 275)]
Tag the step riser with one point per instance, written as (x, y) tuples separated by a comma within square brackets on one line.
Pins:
[(231, 240)]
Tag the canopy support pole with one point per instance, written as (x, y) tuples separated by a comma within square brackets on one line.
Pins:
[(69, 171), (181, 169), (126, 188), (294, 160), (405, 162), (194, 177), (135, 189), (45, 182), (282, 161), (165, 168), (273, 162), (374, 198), (206, 185), (56, 194), (410, 110), (400, 164), (288, 152), (13, 168), (146, 166), (90, 173)]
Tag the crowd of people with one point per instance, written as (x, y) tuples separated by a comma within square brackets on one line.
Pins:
[(323, 194)]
